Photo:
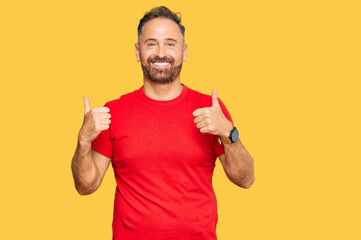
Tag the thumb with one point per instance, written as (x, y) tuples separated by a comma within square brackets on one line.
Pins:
[(214, 98), (86, 105)]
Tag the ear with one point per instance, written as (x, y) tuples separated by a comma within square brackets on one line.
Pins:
[(185, 50), (137, 52)]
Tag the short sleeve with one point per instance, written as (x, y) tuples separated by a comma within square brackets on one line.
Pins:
[(103, 144), (218, 147)]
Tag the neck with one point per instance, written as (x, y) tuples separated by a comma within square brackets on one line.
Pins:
[(162, 92)]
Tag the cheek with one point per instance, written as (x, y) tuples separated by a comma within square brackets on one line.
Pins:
[(143, 57), (178, 56)]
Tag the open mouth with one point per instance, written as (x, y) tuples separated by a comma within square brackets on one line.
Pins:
[(161, 64)]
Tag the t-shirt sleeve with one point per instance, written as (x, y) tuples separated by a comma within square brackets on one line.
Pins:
[(218, 147), (103, 144)]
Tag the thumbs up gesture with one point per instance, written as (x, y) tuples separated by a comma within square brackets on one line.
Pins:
[(212, 120), (95, 121)]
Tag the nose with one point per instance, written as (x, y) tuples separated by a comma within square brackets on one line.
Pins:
[(161, 50)]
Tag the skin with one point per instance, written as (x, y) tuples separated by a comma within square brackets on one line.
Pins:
[(160, 39), (88, 166), (167, 41), (236, 161)]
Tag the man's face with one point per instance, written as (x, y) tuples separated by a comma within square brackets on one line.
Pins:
[(161, 50)]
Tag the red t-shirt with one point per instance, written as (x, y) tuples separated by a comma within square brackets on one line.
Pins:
[(163, 167)]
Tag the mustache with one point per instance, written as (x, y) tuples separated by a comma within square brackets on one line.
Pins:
[(159, 59)]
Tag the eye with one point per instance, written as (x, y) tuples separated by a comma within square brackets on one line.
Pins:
[(151, 44), (170, 44)]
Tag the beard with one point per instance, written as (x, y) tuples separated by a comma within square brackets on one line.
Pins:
[(161, 76)]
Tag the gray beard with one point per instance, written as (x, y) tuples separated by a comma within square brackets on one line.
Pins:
[(163, 76)]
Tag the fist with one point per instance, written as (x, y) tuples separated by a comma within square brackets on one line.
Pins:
[(212, 120), (95, 121)]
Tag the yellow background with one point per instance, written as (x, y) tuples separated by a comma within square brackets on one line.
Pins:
[(288, 72)]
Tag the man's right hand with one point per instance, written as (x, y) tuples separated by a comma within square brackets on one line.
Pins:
[(95, 121)]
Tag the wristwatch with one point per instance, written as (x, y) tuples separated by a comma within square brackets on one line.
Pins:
[(233, 136)]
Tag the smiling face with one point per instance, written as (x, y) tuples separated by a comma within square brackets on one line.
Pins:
[(161, 50)]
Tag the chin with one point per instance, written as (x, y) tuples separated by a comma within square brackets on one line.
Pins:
[(161, 81)]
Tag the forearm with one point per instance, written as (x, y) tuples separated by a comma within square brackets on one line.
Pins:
[(85, 171), (239, 164)]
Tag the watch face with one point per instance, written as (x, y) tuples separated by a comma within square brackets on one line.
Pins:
[(234, 135)]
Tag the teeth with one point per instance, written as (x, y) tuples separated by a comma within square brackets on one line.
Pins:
[(161, 64)]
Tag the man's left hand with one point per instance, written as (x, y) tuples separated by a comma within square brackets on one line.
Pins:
[(212, 120)]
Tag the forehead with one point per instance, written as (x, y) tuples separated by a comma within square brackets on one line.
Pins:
[(160, 28)]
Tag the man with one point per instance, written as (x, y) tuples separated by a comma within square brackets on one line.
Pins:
[(163, 140)]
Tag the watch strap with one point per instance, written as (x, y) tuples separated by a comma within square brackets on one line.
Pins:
[(225, 140), (228, 139)]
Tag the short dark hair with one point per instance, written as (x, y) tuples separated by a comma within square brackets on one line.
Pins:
[(161, 12)]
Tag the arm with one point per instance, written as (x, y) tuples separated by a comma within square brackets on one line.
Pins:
[(237, 164), (236, 161), (89, 167)]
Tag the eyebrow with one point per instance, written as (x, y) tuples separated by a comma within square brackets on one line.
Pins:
[(153, 39)]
